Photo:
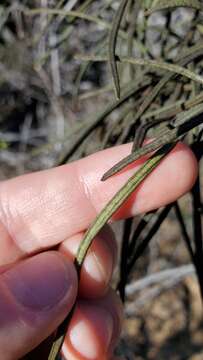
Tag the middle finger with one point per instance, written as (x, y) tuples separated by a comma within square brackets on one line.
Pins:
[(98, 265)]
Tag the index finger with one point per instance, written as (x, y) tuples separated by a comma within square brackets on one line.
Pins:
[(42, 209)]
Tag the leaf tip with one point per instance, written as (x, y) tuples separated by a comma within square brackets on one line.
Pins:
[(107, 175), (103, 178)]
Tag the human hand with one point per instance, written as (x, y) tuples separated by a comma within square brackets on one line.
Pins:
[(54, 207)]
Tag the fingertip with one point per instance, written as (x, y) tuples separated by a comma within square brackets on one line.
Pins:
[(89, 334), (38, 293), (187, 160), (112, 303), (94, 329), (42, 281), (172, 178), (99, 262)]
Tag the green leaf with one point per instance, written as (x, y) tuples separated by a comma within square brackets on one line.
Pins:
[(183, 123), (112, 46), (115, 203), (151, 64)]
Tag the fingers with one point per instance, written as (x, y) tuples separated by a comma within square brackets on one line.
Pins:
[(94, 329), (99, 263), (42, 209), (35, 294)]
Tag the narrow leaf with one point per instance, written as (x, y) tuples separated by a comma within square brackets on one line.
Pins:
[(118, 199), (112, 46), (183, 124), (152, 64)]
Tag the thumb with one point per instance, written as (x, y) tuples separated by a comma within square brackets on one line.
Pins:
[(35, 297)]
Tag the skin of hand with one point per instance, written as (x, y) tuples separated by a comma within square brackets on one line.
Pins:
[(52, 208)]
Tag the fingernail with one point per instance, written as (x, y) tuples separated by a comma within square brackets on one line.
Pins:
[(95, 331), (94, 268), (99, 267), (41, 282)]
